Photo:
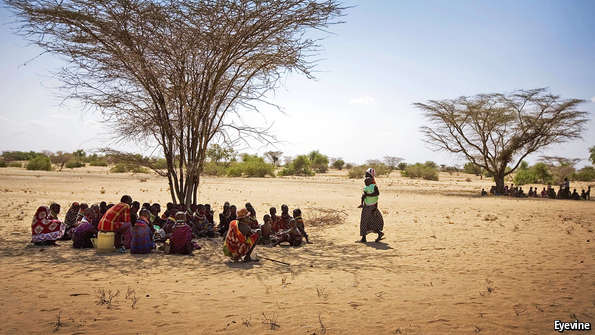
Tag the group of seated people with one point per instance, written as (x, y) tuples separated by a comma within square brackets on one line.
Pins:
[(139, 228), (549, 192)]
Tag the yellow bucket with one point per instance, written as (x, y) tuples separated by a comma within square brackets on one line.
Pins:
[(105, 241)]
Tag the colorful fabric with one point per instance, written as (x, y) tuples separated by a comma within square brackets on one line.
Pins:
[(141, 242), (114, 217), (371, 221), (181, 239), (44, 228), (123, 236), (70, 219), (370, 200), (82, 234), (236, 244)]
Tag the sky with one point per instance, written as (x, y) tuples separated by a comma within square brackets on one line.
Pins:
[(371, 69)]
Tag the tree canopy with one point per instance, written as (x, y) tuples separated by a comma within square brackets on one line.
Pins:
[(180, 73)]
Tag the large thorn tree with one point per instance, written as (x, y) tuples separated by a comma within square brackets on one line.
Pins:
[(496, 131), (181, 73)]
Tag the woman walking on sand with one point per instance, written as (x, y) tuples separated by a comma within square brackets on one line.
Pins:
[(371, 219)]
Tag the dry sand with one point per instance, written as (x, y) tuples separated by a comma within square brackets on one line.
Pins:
[(451, 263)]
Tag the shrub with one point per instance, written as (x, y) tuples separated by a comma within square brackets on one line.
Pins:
[(15, 164), (119, 168), (471, 168), (251, 166), (318, 161), (214, 169), (2, 164), (536, 174), (426, 171), (257, 168), (381, 169), (74, 164), (524, 176), (98, 162), (235, 170), (338, 164), (402, 166), (122, 168), (357, 172), (41, 162), (585, 174), (18, 155), (348, 166), (299, 166), (160, 164)]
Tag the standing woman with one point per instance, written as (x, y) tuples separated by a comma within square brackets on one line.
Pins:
[(371, 219)]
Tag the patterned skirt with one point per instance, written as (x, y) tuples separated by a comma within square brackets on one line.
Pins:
[(371, 221)]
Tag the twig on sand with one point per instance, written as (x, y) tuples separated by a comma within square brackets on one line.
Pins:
[(274, 260), (58, 323), (322, 326)]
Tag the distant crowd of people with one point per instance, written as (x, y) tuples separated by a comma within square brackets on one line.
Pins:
[(139, 228), (549, 192)]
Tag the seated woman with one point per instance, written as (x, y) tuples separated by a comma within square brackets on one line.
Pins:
[(82, 234), (181, 236), (70, 221), (224, 219), (202, 227), (46, 228), (141, 242), (253, 221), (240, 239)]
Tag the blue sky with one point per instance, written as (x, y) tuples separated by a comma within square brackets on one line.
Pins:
[(388, 55)]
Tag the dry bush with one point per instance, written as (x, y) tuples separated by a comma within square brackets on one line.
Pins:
[(320, 217), (270, 320), (106, 297)]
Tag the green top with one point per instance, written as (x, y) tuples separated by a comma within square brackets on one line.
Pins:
[(370, 200)]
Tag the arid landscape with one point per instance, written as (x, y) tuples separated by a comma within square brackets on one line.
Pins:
[(452, 262)]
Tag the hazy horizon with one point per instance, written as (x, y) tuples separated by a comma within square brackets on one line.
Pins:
[(385, 57)]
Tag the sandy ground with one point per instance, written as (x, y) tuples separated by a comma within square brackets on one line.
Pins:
[(451, 263)]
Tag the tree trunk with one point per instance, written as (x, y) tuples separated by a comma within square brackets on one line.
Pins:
[(499, 179)]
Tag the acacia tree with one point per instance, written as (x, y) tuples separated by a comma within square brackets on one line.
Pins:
[(178, 72), (592, 154), (274, 156), (392, 161), (496, 130)]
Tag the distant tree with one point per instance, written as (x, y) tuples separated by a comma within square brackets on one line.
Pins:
[(217, 153), (401, 166), (392, 161), (318, 161), (431, 164), (471, 168), (338, 164), (495, 130), (592, 156), (60, 158), (287, 160), (274, 157), (79, 155), (560, 167)]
